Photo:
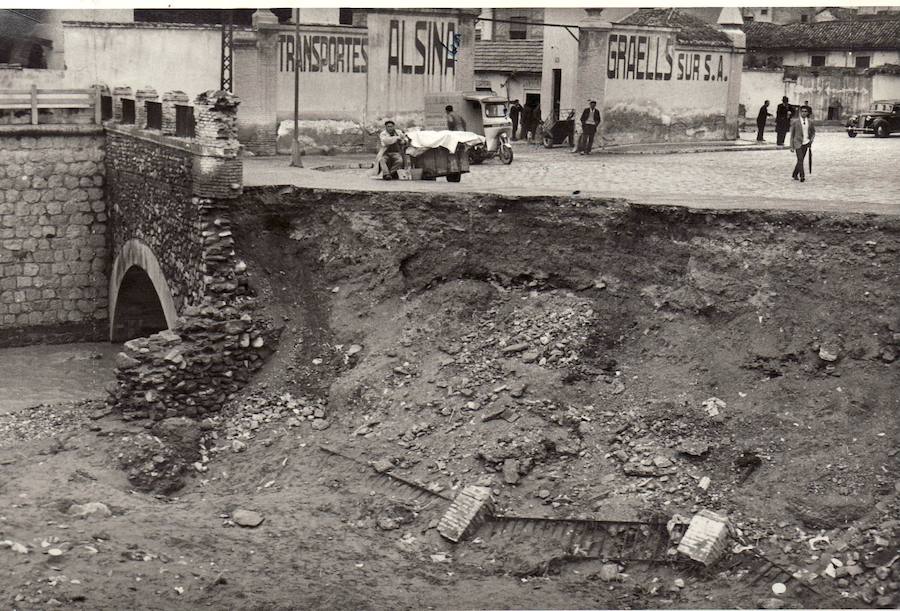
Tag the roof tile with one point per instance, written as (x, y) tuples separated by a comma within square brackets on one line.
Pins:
[(509, 55), (825, 35)]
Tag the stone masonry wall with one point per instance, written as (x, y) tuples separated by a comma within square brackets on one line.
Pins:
[(53, 235)]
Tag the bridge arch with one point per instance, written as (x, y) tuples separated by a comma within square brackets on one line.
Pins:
[(141, 302)]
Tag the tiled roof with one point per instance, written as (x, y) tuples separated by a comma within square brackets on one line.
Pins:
[(509, 55), (691, 30), (839, 12), (825, 35)]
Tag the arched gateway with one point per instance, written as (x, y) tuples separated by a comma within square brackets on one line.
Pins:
[(140, 302)]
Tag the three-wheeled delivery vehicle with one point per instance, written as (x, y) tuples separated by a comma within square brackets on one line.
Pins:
[(485, 114)]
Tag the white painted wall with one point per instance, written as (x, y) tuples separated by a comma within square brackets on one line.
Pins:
[(757, 86), (885, 87), (842, 59), (560, 52), (165, 58)]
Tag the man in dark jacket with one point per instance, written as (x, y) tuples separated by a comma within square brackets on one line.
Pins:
[(761, 120), (783, 116), (515, 111), (590, 120)]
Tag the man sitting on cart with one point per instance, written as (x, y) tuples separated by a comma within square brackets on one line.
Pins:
[(391, 156)]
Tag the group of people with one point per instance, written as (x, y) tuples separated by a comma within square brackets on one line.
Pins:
[(529, 117), (801, 129)]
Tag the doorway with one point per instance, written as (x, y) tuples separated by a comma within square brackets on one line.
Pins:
[(557, 92)]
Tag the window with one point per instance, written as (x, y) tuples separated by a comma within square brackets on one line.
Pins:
[(345, 16), (494, 109), (518, 31), (184, 121), (763, 11), (154, 115), (106, 108), (863, 61), (127, 111), (804, 18), (817, 60)]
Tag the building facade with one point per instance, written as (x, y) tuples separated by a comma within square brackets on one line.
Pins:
[(352, 76), (658, 75)]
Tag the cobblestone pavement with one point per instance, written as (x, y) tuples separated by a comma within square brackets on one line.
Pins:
[(849, 175)]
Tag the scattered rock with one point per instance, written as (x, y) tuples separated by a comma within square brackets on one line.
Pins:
[(771, 603), (320, 424), (246, 518), (382, 465), (511, 471), (828, 354), (543, 493), (608, 572), (89, 510), (513, 348), (385, 523)]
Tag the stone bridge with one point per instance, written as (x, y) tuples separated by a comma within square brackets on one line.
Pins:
[(110, 231)]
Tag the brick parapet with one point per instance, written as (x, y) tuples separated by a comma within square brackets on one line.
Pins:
[(141, 97)]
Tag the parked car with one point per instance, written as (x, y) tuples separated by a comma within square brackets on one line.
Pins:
[(882, 119)]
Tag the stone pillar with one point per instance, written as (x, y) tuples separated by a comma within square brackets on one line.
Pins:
[(590, 75), (117, 94), (257, 84), (731, 22), (593, 38), (465, 60), (217, 167), (141, 97), (171, 99)]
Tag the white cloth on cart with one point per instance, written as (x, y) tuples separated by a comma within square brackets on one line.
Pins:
[(431, 139)]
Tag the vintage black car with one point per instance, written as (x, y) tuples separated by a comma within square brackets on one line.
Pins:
[(882, 119)]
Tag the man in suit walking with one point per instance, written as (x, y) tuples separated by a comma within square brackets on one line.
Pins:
[(590, 119), (803, 132)]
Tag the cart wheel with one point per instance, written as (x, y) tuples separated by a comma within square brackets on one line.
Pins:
[(454, 177), (506, 154), (548, 142)]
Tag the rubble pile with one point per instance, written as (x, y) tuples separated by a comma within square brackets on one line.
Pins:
[(194, 369)]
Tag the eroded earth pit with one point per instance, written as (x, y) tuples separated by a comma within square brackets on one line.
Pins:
[(582, 358)]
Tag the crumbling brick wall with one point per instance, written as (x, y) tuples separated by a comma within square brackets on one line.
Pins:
[(53, 242)]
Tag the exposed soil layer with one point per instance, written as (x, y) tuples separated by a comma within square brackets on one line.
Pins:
[(560, 351)]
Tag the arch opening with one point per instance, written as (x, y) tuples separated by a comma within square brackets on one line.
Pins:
[(139, 311)]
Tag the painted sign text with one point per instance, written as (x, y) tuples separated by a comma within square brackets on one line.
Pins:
[(640, 57), (323, 53), (421, 47)]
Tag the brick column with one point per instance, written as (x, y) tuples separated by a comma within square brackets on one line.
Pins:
[(117, 94), (217, 168), (170, 99), (140, 107)]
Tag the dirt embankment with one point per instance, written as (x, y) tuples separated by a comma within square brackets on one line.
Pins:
[(565, 353)]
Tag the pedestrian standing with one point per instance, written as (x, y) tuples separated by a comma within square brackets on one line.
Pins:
[(590, 120), (515, 111), (807, 107), (783, 116), (803, 132), (761, 120), (455, 123), (526, 119), (534, 123)]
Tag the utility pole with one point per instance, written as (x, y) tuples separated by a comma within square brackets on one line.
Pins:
[(296, 161), (225, 80)]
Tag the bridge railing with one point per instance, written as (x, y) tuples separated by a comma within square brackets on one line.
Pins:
[(59, 105)]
